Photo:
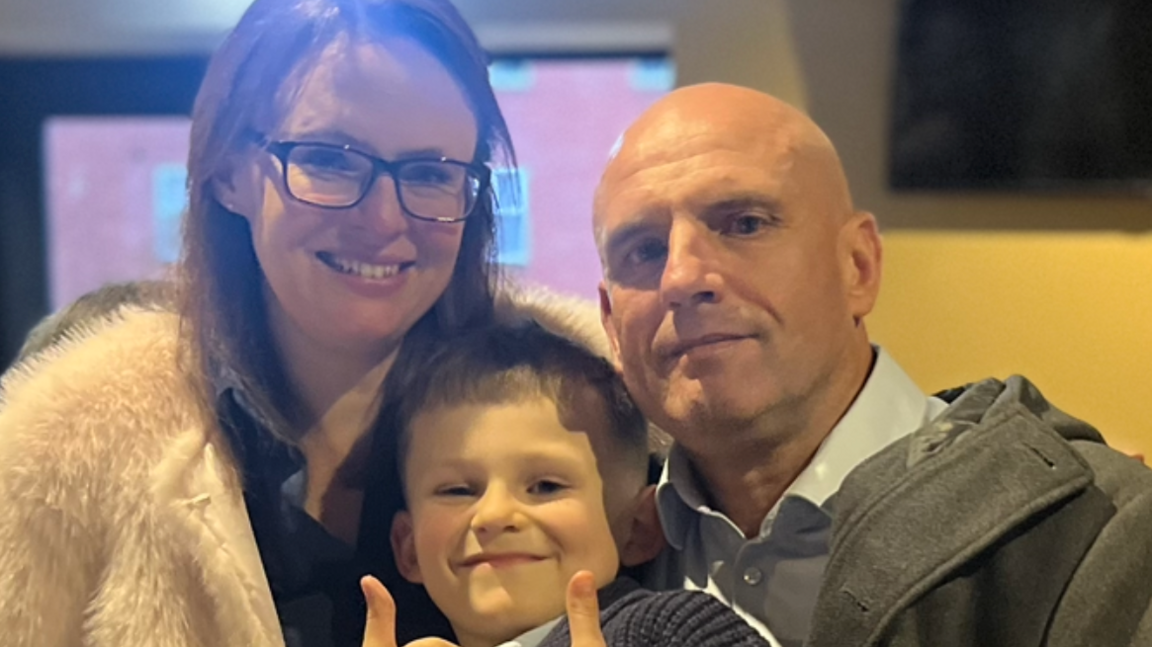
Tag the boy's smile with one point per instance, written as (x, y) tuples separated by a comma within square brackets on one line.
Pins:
[(500, 560)]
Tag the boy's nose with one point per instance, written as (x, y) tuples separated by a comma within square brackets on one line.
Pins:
[(496, 511)]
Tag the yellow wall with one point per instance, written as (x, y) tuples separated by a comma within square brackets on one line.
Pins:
[(1055, 287), (1073, 312)]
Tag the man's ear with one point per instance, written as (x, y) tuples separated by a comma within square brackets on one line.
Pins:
[(646, 537), (606, 321), (863, 263), (404, 547)]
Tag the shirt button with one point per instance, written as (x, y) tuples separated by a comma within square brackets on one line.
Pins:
[(752, 576)]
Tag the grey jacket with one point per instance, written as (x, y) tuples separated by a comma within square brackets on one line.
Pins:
[(1005, 523)]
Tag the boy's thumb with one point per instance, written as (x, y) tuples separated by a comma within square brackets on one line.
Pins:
[(584, 611), (380, 623)]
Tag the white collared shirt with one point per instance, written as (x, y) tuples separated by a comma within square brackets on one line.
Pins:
[(532, 637), (780, 570)]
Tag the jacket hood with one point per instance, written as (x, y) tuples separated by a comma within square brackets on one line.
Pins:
[(573, 317)]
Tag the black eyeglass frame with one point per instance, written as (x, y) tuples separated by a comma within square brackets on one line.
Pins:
[(282, 149)]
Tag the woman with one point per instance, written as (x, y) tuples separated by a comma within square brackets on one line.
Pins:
[(196, 480)]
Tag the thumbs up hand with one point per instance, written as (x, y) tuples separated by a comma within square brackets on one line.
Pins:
[(380, 624), (582, 606)]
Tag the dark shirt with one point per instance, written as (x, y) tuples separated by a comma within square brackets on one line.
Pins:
[(314, 576)]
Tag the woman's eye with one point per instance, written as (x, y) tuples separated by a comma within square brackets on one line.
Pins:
[(430, 174), (319, 159), (546, 487)]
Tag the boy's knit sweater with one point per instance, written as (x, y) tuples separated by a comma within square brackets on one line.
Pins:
[(634, 617)]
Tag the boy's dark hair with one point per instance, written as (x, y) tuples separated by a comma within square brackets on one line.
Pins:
[(503, 364)]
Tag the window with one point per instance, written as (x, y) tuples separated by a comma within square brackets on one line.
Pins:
[(169, 201), (115, 196), (564, 115), (513, 233), (511, 75), (652, 75)]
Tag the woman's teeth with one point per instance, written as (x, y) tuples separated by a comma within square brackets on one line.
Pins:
[(357, 268)]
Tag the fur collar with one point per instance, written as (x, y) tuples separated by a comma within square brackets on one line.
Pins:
[(123, 519)]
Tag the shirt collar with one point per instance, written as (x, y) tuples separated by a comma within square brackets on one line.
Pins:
[(257, 450), (532, 637), (226, 383), (888, 407)]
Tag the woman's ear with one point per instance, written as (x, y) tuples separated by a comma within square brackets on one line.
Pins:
[(235, 186), (404, 547), (646, 537)]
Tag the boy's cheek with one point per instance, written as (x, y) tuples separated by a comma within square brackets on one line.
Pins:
[(431, 528)]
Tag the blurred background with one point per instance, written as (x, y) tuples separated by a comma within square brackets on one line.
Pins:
[(1006, 148)]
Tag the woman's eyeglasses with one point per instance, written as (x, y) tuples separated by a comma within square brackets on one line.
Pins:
[(338, 177)]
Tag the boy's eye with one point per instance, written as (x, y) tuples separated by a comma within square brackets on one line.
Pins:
[(455, 490), (546, 487)]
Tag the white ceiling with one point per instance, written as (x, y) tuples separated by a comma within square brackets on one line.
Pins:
[(747, 42), (63, 27)]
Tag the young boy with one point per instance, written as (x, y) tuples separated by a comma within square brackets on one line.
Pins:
[(524, 461)]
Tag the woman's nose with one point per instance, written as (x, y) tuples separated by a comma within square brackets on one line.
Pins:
[(381, 212)]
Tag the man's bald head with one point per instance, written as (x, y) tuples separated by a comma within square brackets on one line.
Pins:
[(722, 116), (736, 272)]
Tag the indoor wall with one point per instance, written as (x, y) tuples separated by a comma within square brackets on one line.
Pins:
[(1056, 287), (1052, 286)]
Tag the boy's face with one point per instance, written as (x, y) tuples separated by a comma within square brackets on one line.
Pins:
[(505, 505)]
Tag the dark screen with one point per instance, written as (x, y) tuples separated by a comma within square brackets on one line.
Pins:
[(1024, 94)]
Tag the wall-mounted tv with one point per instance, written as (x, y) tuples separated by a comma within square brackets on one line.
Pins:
[(1047, 95)]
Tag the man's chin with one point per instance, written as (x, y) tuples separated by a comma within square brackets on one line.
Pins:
[(705, 413)]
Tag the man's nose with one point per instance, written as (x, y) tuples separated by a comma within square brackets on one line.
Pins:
[(496, 511), (691, 270)]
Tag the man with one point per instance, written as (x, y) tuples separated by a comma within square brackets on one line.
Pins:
[(737, 276)]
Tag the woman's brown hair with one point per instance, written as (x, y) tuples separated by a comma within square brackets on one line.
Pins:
[(249, 83)]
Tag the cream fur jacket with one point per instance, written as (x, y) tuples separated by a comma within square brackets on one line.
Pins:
[(122, 520)]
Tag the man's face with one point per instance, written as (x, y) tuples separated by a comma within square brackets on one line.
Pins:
[(729, 279), (505, 505)]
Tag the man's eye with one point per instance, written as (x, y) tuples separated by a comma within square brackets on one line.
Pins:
[(646, 252), (546, 487), (747, 224)]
